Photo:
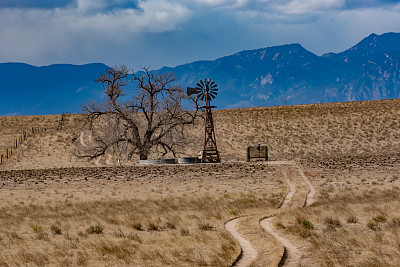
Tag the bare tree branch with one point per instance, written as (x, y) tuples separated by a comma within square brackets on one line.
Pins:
[(153, 119)]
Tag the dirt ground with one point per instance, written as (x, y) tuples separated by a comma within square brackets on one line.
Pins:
[(59, 210)]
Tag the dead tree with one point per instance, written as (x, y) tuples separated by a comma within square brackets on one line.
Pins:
[(151, 120)]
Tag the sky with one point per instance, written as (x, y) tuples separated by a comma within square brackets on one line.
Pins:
[(156, 33)]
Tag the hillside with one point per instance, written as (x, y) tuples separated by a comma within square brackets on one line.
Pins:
[(327, 197), (291, 132)]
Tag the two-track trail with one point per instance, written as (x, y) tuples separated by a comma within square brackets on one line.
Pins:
[(249, 253), (82, 141), (301, 193)]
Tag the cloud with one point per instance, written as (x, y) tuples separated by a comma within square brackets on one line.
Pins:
[(170, 32), (222, 3), (70, 33), (297, 7)]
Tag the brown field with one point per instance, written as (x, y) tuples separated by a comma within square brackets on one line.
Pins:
[(58, 210)]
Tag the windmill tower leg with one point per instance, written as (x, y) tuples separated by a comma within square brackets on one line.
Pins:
[(210, 150)]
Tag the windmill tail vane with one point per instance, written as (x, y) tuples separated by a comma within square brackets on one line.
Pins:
[(206, 90)]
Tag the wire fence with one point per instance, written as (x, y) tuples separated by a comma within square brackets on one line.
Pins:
[(11, 150)]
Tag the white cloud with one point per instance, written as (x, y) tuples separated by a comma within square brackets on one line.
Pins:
[(222, 3)]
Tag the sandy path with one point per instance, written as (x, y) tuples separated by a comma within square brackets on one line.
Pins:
[(81, 139), (108, 161), (293, 254), (248, 251), (97, 161), (290, 194), (311, 193)]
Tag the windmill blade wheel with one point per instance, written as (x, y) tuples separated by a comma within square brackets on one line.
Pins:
[(204, 87)]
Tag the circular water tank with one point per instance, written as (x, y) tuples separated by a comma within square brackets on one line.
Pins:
[(188, 160)]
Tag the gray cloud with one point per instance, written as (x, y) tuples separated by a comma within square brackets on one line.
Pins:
[(170, 32)]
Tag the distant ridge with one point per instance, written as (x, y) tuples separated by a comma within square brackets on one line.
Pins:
[(262, 77), (53, 89), (267, 76)]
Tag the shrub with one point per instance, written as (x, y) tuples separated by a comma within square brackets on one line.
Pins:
[(56, 230), (332, 223), (153, 227), (305, 223), (233, 212), (379, 218), (184, 232), (373, 225), (138, 226), (170, 225), (352, 219), (206, 227), (37, 228), (97, 229), (119, 234)]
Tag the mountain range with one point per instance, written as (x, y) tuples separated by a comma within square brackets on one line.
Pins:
[(262, 77)]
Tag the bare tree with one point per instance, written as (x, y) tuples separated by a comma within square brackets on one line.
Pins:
[(152, 120)]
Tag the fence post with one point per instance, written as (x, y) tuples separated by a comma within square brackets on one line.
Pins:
[(266, 152), (248, 153)]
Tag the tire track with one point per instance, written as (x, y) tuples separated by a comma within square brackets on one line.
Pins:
[(292, 254), (81, 140), (248, 252), (311, 192), (289, 196)]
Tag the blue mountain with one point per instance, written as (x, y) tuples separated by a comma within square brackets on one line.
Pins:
[(54, 89), (269, 76), (262, 77)]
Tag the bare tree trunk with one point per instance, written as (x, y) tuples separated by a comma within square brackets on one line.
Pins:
[(150, 122)]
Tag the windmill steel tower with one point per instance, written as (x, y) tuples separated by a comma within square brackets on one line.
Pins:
[(207, 90)]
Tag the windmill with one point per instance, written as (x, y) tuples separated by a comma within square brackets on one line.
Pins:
[(206, 90)]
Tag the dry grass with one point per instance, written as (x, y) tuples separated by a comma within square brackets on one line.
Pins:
[(355, 223), (150, 215), (291, 132), (55, 205)]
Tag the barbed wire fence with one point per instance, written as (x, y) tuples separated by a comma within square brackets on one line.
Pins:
[(23, 137)]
